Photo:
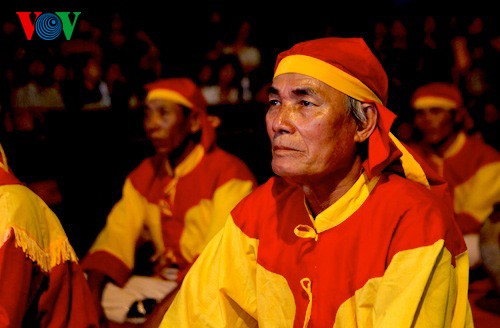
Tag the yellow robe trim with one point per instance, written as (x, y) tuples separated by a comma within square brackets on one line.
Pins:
[(204, 220), (357, 194), (276, 291), (454, 148), (133, 213), (479, 204), (219, 309), (190, 162), (343, 208), (411, 167), (125, 223), (37, 229), (417, 290), (229, 302), (3, 162), (456, 145), (186, 166)]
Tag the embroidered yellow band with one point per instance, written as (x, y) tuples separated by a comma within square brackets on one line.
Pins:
[(169, 95), (329, 74)]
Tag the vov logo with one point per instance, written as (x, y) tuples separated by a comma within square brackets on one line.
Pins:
[(48, 26)]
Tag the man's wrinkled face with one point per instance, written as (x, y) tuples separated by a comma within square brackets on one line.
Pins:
[(311, 135), (165, 125), (436, 124)]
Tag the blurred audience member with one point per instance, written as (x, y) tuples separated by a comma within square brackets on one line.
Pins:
[(471, 167), (86, 89), (86, 39), (226, 86), (249, 56), (38, 95), (173, 203), (122, 97), (400, 64), (95, 91), (435, 54)]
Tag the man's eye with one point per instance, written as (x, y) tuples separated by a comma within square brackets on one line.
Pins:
[(436, 110), (273, 102), (163, 111), (306, 103)]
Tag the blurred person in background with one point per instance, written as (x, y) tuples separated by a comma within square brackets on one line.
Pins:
[(85, 87), (39, 94), (249, 56), (94, 89), (472, 169), (172, 204), (225, 84), (469, 165)]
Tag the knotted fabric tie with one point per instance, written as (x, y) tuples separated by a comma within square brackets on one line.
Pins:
[(306, 286), (187, 165), (305, 231)]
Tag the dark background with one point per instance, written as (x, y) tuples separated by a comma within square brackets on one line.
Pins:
[(90, 153)]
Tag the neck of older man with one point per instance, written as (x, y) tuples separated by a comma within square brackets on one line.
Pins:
[(173, 159), (441, 147), (323, 192)]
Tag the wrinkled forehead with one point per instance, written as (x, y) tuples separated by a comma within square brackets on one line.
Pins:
[(299, 84)]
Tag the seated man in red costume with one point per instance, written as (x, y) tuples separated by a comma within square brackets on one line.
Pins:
[(353, 231), (469, 165), (177, 200), (472, 169)]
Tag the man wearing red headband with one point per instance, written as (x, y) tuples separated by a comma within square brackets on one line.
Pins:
[(176, 200), (41, 282), (469, 165), (353, 232)]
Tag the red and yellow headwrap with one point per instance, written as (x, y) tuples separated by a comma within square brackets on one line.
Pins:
[(185, 92), (437, 94), (349, 66)]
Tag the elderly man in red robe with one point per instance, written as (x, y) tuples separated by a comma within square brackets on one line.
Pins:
[(352, 232), (175, 200)]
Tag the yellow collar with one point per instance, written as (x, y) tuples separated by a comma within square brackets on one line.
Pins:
[(339, 211), (188, 164), (455, 147)]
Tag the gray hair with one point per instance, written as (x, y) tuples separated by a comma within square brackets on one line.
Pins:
[(354, 108)]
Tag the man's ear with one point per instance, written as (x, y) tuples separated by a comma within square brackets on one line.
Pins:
[(214, 120), (460, 115), (365, 129), (463, 119), (194, 122)]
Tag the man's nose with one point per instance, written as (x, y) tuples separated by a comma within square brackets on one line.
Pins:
[(423, 117), (428, 118), (282, 120), (152, 120)]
